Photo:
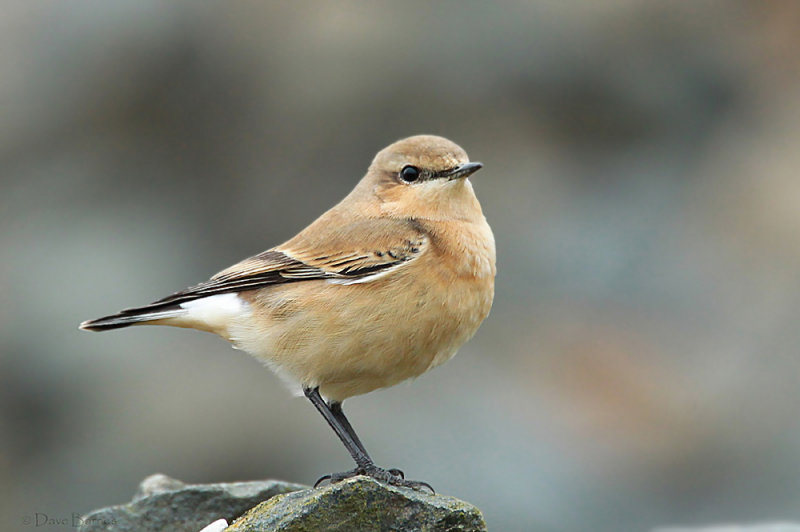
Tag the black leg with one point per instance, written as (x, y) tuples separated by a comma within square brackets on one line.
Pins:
[(336, 410), (335, 417), (353, 444)]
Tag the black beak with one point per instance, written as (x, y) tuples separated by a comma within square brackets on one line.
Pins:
[(465, 170)]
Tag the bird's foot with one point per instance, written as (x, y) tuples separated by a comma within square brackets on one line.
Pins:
[(393, 477)]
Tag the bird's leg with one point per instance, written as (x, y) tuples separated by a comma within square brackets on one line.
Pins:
[(353, 445), (336, 409), (335, 417)]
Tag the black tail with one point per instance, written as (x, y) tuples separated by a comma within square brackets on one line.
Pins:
[(133, 316)]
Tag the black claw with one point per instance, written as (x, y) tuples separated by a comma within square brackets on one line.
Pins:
[(333, 478), (421, 484), (393, 477), (322, 479)]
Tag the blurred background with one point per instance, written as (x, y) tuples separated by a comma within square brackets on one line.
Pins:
[(640, 365)]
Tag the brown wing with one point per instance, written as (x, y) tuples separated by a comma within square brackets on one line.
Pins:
[(354, 253)]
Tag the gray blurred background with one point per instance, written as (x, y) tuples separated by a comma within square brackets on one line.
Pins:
[(640, 366)]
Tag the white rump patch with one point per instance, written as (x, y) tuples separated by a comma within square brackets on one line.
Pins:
[(216, 311)]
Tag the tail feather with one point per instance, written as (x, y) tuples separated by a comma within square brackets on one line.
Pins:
[(130, 317), (210, 313)]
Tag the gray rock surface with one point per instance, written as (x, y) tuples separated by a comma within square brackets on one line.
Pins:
[(165, 504), (360, 504)]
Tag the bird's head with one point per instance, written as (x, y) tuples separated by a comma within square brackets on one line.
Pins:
[(423, 176)]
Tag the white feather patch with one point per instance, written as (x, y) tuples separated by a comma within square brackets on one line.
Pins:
[(217, 526), (217, 310)]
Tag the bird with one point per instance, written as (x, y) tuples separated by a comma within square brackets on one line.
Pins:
[(384, 286)]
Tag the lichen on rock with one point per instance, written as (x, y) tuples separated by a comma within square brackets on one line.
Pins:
[(357, 504), (362, 504)]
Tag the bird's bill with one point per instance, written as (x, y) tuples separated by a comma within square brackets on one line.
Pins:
[(465, 170)]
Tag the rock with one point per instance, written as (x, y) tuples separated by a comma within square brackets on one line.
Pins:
[(158, 483), (163, 503), (361, 504)]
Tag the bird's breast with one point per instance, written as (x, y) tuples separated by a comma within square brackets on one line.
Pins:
[(352, 339)]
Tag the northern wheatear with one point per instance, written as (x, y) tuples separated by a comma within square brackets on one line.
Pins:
[(381, 288)]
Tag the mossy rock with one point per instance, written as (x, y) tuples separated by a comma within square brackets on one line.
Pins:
[(362, 504)]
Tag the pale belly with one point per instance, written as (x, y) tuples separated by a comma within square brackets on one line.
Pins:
[(352, 339)]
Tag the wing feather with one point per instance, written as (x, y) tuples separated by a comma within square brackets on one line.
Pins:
[(355, 253)]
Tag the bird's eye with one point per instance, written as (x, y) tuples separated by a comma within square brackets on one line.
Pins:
[(409, 173)]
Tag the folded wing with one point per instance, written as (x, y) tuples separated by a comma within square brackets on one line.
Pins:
[(357, 253)]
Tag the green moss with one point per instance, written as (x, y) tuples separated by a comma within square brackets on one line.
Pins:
[(361, 503)]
